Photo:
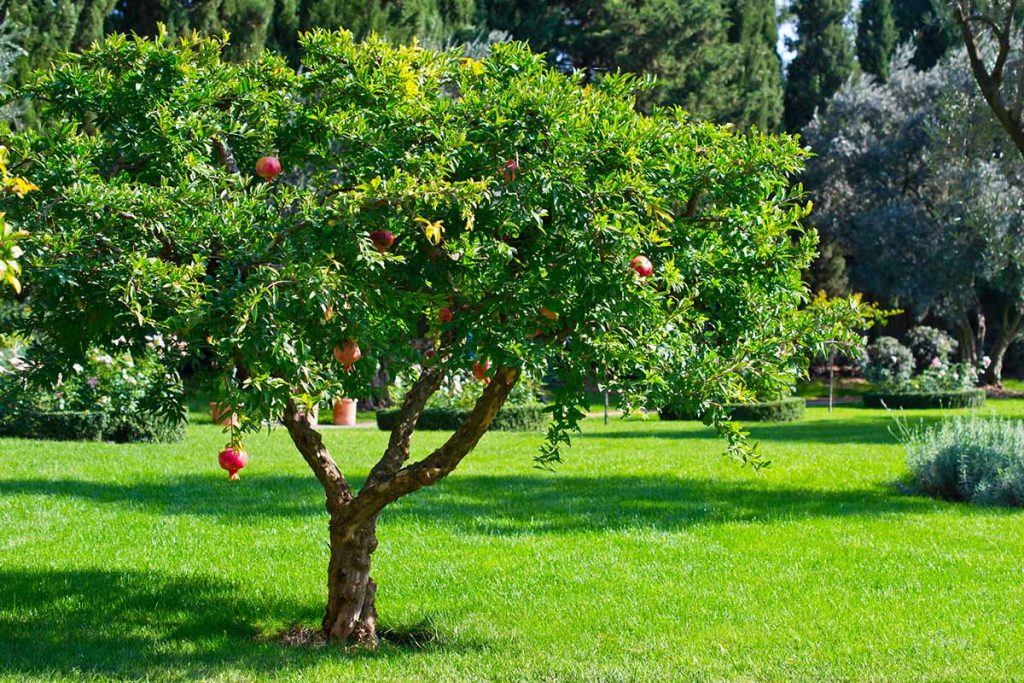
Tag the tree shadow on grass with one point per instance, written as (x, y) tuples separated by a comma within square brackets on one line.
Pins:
[(130, 625)]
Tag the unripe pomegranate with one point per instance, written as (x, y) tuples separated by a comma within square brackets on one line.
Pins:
[(445, 315), (348, 354), (233, 458), (480, 370), (268, 167), (548, 313), (382, 239), (510, 170), (642, 265)]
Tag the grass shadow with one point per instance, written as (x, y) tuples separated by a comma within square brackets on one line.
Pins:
[(131, 625)]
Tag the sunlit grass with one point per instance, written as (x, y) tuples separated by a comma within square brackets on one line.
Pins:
[(645, 556)]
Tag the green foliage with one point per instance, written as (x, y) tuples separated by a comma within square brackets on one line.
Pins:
[(131, 394), (886, 362), (823, 60), (928, 344), (783, 410), (522, 417), (910, 399), (971, 459), (929, 29), (146, 230), (57, 425), (876, 37)]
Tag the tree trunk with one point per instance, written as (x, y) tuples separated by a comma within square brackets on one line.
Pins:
[(351, 615), (1007, 333)]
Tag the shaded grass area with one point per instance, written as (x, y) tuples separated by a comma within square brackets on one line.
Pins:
[(645, 556)]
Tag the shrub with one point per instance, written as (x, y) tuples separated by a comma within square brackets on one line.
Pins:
[(886, 362), (58, 425), (928, 343), (511, 418), (784, 410), (969, 459), (964, 398), (939, 377)]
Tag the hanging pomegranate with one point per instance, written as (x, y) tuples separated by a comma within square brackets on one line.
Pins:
[(642, 265), (445, 315), (268, 167), (510, 170), (348, 354), (232, 459), (382, 239), (480, 371)]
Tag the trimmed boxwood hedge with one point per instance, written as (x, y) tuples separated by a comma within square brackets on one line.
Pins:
[(783, 410), (965, 398), (521, 418), (71, 425)]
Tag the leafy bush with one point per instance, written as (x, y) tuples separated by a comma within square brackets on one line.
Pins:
[(784, 410), (121, 388), (511, 418), (964, 398), (969, 459), (928, 344), (939, 377), (886, 362)]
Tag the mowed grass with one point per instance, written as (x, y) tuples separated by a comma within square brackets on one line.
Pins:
[(646, 556)]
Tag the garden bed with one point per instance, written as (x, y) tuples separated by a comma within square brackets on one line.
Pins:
[(783, 410), (523, 418), (964, 398)]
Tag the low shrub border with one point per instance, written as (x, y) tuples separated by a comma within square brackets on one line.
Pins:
[(783, 410), (72, 425), (523, 418), (964, 398)]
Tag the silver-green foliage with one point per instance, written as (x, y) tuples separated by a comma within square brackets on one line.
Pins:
[(969, 458)]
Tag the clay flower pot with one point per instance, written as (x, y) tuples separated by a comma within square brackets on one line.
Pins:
[(344, 412)]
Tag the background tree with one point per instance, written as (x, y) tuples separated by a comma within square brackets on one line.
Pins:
[(823, 60), (913, 172), (999, 71), (758, 91), (928, 27), (876, 37), (414, 181)]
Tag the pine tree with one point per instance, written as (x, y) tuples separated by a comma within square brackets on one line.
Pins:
[(758, 87), (823, 61), (876, 37)]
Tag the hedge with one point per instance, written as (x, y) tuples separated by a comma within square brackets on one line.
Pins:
[(783, 410), (70, 425), (521, 418), (964, 398)]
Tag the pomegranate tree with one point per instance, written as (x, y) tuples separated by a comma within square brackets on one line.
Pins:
[(499, 190)]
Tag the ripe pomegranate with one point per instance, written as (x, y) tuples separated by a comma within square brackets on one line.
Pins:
[(480, 371), (233, 458), (510, 170), (642, 265), (382, 239), (268, 167), (348, 354), (428, 354), (445, 315), (548, 313)]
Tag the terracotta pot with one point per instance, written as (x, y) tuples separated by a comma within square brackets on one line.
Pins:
[(345, 412)]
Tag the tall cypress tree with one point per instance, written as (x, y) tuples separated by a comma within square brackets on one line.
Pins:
[(823, 61), (758, 87), (876, 37), (926, 24)]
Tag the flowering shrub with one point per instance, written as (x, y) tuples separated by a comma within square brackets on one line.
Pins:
[(123, 387), (940, 376), (931, 347), (887, 363)]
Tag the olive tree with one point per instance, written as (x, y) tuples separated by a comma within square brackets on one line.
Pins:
[(431, 211)]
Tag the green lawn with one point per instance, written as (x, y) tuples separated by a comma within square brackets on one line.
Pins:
[(646, 556)]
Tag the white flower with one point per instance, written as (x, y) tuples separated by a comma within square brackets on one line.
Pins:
[(985, 362), (456, 385), (105, 359), (77, 368), (120, 340), (936, 363)]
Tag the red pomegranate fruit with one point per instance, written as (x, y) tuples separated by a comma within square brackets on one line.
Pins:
[(642, 265), (268, 167), (348, 354), (548, 313), (445, 315), (480, 371), (510, 170), (232, 459), (382, 239)]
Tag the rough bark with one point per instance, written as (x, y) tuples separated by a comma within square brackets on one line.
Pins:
[(351, 616)]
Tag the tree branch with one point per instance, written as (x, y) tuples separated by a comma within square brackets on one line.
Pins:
[(226, 156), (310, 444), (439, 464)]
